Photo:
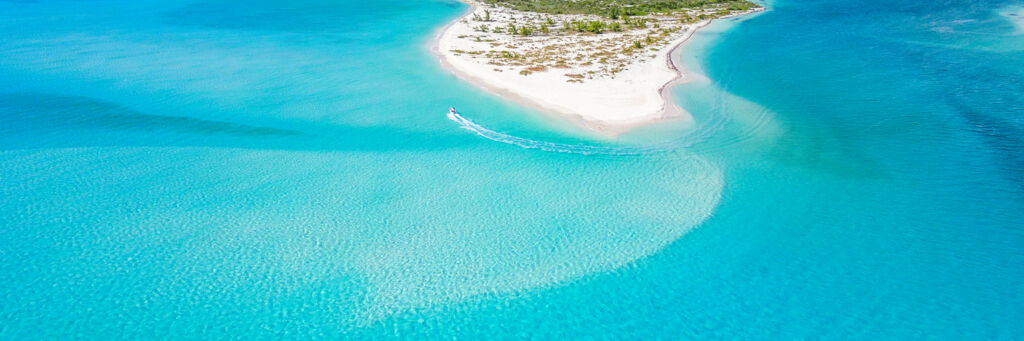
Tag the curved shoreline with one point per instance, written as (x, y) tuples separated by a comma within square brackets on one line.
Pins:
[(667, 110)]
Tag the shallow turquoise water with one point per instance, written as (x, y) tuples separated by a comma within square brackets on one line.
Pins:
[(285, 168)]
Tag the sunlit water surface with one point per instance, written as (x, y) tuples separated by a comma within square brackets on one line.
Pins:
[(263, 169)]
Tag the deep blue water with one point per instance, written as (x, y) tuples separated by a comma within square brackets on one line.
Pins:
[(269, 169)]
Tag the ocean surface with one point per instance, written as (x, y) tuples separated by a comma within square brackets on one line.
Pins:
[(286, 169)]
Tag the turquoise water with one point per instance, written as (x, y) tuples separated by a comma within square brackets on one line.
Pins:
[(271, 169)]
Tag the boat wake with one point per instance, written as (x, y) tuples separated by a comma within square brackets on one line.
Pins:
[(696, 136), (492, 135)]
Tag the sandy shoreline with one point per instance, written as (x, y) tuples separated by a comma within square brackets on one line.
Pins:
[(637, 95)]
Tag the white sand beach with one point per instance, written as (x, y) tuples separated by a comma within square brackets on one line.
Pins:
[(609, 98)]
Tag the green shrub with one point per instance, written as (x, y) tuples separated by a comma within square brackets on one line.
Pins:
[(614, 9)]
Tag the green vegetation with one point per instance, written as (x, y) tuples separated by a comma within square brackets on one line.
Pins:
[(524, 30), (537, 42), (614, 9), (741, 5), (636, 23), (509, 55), (592, 26)]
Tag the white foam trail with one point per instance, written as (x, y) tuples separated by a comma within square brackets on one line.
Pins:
[(549, 146), (754, 121)]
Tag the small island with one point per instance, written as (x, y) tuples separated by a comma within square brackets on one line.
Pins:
[(605, 64)]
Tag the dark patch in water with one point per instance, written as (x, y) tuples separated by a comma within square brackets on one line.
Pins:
[(989, 101), (53, 111), (287, 16), (41, 120), (985, 95), (1005, 138)]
